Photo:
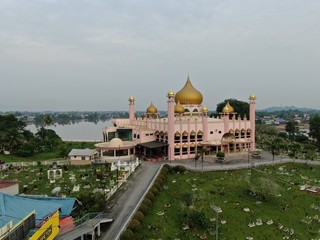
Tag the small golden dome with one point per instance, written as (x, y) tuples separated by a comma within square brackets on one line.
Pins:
[(178, 108), (204, 109), (152, 109), (131, 99), (252, 97), (170, 94), (228, 108), (188, 94)]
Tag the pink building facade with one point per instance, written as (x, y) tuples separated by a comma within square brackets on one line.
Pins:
[(187, 128)]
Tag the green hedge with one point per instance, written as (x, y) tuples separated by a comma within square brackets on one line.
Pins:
[(127, 235)]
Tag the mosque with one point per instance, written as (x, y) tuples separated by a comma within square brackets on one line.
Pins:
[(183, 133)]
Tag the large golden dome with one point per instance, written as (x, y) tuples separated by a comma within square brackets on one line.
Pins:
[(228, 108), (152, 109), (178, 108), (189, 95)]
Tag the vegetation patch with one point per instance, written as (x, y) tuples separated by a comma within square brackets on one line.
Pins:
[(261, 203)]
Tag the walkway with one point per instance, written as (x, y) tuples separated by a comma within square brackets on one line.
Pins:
[(90, 226), (127, 198)]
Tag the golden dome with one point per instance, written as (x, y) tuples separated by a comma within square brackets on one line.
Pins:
[(131, 99), (204, 109), (152, 109), (252, 97), (228, 108), (178, 108), (188, 94), (170, 94)]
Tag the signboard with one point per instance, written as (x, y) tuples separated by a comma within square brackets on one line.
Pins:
[(49, 229)]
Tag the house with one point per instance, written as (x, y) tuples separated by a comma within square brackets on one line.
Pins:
[(81, 156)]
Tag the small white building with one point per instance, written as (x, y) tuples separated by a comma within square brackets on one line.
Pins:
[(81, 156), (9, 187)]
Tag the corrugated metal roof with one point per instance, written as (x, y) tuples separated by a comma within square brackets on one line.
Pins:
[(16, 208), (82, 152), (67, 203)]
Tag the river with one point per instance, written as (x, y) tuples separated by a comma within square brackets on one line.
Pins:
[(81, 131)]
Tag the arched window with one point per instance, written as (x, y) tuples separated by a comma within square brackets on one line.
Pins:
[(248, 133), (177, 149), (177, 137), (185, 136), (199, 135)]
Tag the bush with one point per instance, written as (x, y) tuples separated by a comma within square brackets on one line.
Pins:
[(147, 202), (220, 155), (197, 219), (144, 208), (127, 235), (154, 190), (139, 216), (166, 166), (161, 176), (179, 168), (134, 225), (150, 195), (157, 185)]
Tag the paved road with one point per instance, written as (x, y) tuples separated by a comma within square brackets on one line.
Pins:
[(126, 199)]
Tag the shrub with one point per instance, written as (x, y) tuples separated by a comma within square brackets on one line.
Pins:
[(166, 166), (220, 155), (154, 190), (134, 225), (197, 219), (161, 176), (127, 235), (144, 208), (179, 168), (147, 202), (139, 216), (150, 195), (157, 185)]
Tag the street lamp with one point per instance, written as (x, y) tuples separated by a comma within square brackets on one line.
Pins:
[(217, 210)]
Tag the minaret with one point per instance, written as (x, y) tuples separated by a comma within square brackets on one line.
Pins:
[(252, 102), (205, 123), (131, 109), (171, 104)]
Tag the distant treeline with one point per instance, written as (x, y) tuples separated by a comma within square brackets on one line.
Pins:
[(65, 118)]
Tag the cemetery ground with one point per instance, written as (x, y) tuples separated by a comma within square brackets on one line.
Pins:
[(67, 180), (260, 203)]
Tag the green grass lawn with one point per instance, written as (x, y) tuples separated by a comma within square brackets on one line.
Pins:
[(294, 213), (47, 155)]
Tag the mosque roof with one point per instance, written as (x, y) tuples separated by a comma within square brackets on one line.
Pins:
[(228, 108), (152, 109), (178, 108), (189, 95)]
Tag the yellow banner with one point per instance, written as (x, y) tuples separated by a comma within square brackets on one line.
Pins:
[(48, 230)]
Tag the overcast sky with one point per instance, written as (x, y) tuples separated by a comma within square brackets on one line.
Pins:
[(94, 54)]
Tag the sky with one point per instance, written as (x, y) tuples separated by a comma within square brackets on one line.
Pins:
[(92, 55)]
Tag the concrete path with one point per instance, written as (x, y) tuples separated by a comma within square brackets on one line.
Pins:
[(126, 199)]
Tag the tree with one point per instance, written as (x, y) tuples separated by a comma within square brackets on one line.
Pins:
[(294, 149), (314, 127), (292, 128), (11, 130), (242, 108), (275, 145)]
